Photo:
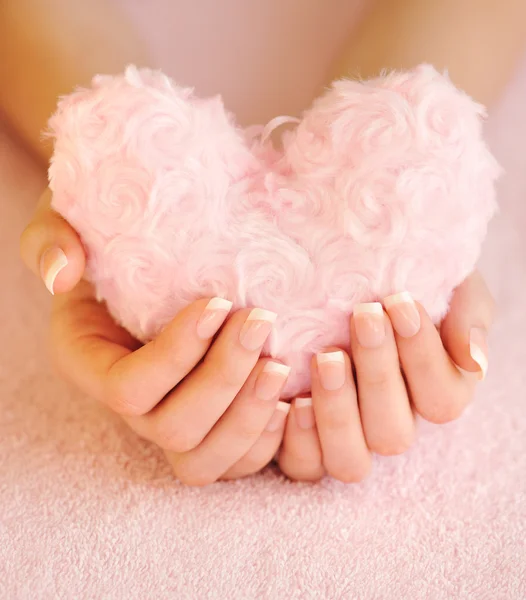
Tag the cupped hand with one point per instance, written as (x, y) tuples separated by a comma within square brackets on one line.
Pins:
[(206, 398), (402, 364)]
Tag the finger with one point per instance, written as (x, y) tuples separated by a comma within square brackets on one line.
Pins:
[(259, 455), (345, 453), (464, 329), (385, 409), (99, 355), (300, 457), (52, 249), (438, 389), (139, 381), (265, 448), (238, 429), (188, 413), (85, 340)]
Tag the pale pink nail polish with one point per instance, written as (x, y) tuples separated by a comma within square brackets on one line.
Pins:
[(304, 413), (403, 313), (331, 369), (369, 324), (257, 328), (52, 262), (271, 380), (278, 418), (478, 348), (214, 315)]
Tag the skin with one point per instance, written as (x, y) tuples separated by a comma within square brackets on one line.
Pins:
[(479, 42), (156, 387), (48, 49), (373, 411)]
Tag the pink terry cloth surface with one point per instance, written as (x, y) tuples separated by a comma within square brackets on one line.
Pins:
[(88, 510)]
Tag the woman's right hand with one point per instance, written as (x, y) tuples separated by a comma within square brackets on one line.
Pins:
[(51, 248), (212, 404)]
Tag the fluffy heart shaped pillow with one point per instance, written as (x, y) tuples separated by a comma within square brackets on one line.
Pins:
[(383, 186)]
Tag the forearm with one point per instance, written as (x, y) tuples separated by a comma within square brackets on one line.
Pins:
[(478, 41), (48, 47)]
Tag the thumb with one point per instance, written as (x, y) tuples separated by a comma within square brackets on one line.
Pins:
[(464, 330), (52, 249)]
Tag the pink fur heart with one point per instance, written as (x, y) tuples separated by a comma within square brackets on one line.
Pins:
[(384, 186)]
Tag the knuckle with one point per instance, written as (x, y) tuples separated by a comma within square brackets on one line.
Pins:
[(175, 438), (351, 472), (293, 456), (173, 354), (117, 396), (442, 415), (223, 374), (374, 378), (249, 430), (301, 471), (420, 364), (252, 463), (442, 411), (334, 420), (392, 447)]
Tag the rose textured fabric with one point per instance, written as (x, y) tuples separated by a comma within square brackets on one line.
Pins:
[(384, 186)]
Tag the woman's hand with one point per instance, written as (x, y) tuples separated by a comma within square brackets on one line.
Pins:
[(51, 248), (210, 402), (402, 363)]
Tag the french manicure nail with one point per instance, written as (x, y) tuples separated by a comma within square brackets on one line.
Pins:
[(271, 380), (403, 313), (257, 328), (214, 315), (478, 348), (52, 262), (331, 369), (304, 413), (369, 324), (277, 420)]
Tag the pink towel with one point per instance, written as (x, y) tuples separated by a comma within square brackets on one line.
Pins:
[(88, 510)]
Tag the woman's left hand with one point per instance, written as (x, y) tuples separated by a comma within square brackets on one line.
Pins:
[(403, 364)]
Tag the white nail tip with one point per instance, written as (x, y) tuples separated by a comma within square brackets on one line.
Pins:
[(219, 304), (479, 357), (283, 407), (303, 402), (273, 367), (375, 308), (330, 357), (398, 299), (58, 264), (260, 314)]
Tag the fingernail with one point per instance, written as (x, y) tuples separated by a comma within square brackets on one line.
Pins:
[(277, 420), (331, 369), (271, 380), (214, 315), (304, 413), (478, 348), (403, 313), (52, 262), (257, 328), (369, 324)]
